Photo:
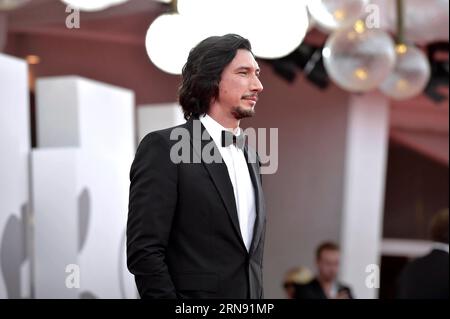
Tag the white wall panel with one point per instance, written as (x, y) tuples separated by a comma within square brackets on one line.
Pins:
[(157, 117), (98, 120), (55, 189), (364, 188), (14, 179)]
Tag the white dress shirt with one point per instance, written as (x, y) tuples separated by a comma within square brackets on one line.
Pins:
[(244, 193)]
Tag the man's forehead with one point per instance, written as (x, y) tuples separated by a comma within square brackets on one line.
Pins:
[(330, 253), (244, 59)]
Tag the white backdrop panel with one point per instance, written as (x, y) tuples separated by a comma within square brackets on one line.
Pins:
[(98, 119), (14, 179), (157, 117)]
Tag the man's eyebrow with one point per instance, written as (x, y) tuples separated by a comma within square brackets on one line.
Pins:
[(247, 68)]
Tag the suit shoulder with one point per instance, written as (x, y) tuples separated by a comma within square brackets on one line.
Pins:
[(437, 258)]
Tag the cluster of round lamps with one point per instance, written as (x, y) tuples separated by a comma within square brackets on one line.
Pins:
[(356, 57)]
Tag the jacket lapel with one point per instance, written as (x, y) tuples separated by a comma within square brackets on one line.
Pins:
[(218, 173), (254, 170)]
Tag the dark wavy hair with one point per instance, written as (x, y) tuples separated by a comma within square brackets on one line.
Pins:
[(202, 72), (327, 245), (438, 227)]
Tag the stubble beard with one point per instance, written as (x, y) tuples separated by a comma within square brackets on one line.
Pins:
[(240, 112)]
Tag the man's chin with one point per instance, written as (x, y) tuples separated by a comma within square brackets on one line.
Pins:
[(241, 112)]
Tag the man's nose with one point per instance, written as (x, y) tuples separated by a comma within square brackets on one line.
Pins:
[(257, 85)]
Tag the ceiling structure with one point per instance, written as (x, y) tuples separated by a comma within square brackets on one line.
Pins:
[(418, 123)]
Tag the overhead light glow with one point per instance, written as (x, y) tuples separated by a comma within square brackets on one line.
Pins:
[(93, 5)]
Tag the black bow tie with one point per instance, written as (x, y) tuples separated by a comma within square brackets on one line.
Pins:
[(229, 138)]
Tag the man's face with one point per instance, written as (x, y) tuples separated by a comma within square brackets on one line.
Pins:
[(240, 85), (328, 264)]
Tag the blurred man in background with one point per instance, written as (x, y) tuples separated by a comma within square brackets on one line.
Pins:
[(325, 285), (427, 277)]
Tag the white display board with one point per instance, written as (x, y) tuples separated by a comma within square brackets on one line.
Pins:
[(14, 179), (87, 128), (153, 117), (54, 184)]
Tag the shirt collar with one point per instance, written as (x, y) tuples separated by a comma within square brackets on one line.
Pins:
[(215, 129)]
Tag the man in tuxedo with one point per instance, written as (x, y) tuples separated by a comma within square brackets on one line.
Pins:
[(196, 227), (427, 277), (325, 285)]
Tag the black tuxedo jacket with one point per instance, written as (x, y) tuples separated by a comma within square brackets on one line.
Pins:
[(425, 277), (183, 235)]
